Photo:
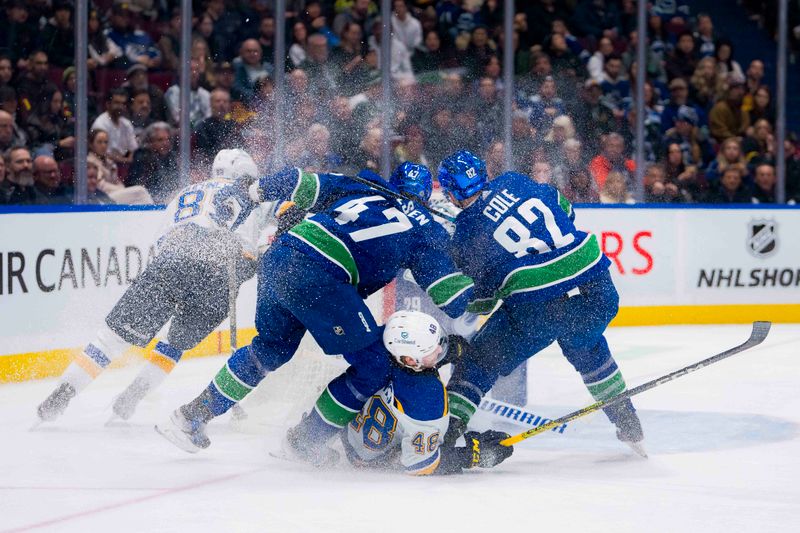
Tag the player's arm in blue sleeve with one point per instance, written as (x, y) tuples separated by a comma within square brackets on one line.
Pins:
[(434, 270), (303, 188)]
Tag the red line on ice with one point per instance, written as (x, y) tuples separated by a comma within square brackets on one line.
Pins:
[(132, 501)]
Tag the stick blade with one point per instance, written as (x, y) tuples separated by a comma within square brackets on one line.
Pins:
[(760, 331)]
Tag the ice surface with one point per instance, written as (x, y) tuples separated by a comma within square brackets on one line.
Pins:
[(724, 448)]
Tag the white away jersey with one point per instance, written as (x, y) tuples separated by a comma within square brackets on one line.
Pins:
[(408, 418)]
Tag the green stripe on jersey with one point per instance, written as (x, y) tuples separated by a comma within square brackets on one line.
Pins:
[(564, 203), (230, 386), (460, 406), (446, 289), (323, 241), (607, 388), (482, 306), (568, 266), (307, 191), (332, 411)]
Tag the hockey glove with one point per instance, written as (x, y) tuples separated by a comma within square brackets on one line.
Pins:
[(232, 205), (455, 429), (289, 215), (485, 450), (456, 348)]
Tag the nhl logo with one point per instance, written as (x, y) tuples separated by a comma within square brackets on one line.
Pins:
[(339, 330), (762, 238)]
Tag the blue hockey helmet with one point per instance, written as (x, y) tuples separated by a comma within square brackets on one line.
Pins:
[(463, 174), (413, 178)]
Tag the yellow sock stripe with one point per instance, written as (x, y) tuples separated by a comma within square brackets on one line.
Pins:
[(88, 364), (428, 469), (162, 361)]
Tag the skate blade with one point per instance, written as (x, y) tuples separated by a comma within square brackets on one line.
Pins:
[(638, 448), (36, 425), (178, 438)]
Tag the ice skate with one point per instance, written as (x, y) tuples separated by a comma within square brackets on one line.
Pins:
[(629, 428), (187, 434), (125, 404), (54, 405), (299, 446)]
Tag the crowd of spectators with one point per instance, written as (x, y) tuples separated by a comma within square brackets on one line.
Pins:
[(709, 120)]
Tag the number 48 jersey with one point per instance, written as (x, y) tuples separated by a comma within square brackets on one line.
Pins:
[(402, 425), (520, 238)]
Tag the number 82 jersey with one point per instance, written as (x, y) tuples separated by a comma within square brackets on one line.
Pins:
[(519, 237)]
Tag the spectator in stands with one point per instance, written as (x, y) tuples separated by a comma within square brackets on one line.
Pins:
[(540, 16), (58, 35), (322, 74), (764, 184), (136, 45), (7, 137), (266, 36), (431, 57), (488, 108), (542, 172), (5, 189), (217, 131), (299, 47), (19, 177), (729, 153), (406, 27), (141, 112), (95, 196), (349, 59), (50, 130), (683, 60), (730, 189), (400, 62), (522, 139), (18, 32), (611, 159), (597, 62), (477, 53), (615, 85), (318, 155), (369, 151), (654, 65), (545, 107), (759, 146), (155, 165), (760, 105), (121, 137), (248, 67), (495, 159), (594, 117), (107, 171), (8, 103), (170, 42), (102, 50), (684, 176), (596, 18), (706, 86), (34, 86), (696, 150), (679, 96), (47, 183), (580, 187), (361, 12), (138, 81), (754, 77), (199, 99), (615, 190), (344, 130), (705, 36), (727, 118), (657, 189), (563, 60), (6, 70), (726, 65)]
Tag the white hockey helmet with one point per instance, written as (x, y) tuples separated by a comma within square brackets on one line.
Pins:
[(233, 164), (414, 339)]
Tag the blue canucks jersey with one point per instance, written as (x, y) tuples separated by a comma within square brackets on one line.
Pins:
[(519, 237), (367, 237)]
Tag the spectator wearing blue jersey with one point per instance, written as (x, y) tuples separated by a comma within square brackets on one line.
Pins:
[(136, 45), (545, 106)]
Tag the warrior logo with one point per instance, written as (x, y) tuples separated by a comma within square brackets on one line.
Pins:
[(762, 237), (339, 330)]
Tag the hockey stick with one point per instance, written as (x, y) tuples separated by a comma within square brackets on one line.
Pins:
[(401, 196), (757, 336)]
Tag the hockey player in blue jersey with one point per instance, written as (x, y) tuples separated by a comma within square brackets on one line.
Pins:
[(401, 426), (315, 277), (517, 240)]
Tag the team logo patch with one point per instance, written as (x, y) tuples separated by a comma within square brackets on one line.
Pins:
[(404, 335), (762, 237), (339, 330)]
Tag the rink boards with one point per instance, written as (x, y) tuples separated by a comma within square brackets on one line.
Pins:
[(62, 269)]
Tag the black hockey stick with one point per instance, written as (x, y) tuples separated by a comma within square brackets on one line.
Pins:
[(401, 196), (757, 336)]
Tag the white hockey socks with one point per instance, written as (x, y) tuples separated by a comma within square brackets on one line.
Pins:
[(94, 358)]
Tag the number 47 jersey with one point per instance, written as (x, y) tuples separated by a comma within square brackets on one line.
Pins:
[(520, 238), (366, 237)]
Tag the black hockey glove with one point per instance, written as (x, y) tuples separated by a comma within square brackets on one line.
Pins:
[(485, 450), (456, 348), (289, 215), (455, 429)]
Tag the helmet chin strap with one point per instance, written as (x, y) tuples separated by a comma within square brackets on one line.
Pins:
[(419, 366)]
